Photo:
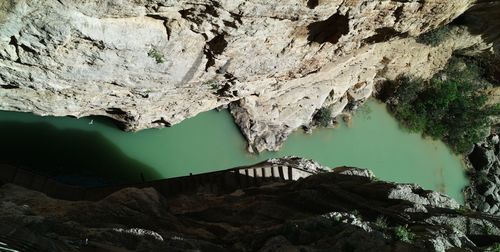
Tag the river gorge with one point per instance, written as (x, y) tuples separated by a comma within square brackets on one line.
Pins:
[(93, 148), (249, 125)]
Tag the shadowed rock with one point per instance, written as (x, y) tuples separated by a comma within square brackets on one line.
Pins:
[(73, 155)]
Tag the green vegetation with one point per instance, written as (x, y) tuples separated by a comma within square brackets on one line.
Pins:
[(481, 177), (212, 83), (403, 234), (434, 37), (157, 55), (323, 116), (451, 106), (487, 229), (381, 222), (464, 210), (494, 248)]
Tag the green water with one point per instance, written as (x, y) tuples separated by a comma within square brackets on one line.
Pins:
[(211, 141)]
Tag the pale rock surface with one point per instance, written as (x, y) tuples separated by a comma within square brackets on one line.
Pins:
[(154, 63)]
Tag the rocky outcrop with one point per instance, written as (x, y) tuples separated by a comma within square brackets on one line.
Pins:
[(483, 193), (155, 63), (482, 18), (344, 210)]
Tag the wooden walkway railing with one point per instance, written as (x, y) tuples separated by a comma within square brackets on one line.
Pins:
[(223, 181)]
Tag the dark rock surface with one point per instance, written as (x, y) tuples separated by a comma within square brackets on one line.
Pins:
[(345, 210)]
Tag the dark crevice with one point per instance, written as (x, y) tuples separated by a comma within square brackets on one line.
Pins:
[(120, 117), (210, 59), (215, 46), (225, 90), (28, 49), (163, 121), (9, 86), (97, 43), (165, 23), (156, 16), (198, 16), (330, 30), (236, 17), (210, 10), (188, 15), (13, 41), (167, 29), (312, 3), (398, 13), (115, 111), (230, 24), (229, 77), (384, 34)]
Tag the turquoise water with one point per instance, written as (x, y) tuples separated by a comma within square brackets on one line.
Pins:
[(211, 141)]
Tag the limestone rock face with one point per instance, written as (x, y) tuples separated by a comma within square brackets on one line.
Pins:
[(154, 63)]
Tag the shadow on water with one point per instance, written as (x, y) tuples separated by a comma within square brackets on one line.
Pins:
[(73, 156)]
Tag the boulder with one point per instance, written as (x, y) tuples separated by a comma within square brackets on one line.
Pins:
[(482, 158), (486, 188), (484, 207), (491, 187), (493, 209), (495, 139)]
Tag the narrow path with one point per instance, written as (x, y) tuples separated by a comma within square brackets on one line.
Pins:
[(224, 181)]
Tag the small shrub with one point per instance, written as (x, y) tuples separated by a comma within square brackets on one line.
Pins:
[(464, 210), (323, 117), (213, 84), (494, 248), (156, 55), (403, 234), (434, 37), (381, 222), (487, 229)]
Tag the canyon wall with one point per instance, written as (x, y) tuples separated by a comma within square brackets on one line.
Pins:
[(154, 63)]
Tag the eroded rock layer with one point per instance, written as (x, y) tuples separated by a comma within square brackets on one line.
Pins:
[(154, 63)]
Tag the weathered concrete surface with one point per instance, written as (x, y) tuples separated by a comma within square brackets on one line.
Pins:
[(157, 62)]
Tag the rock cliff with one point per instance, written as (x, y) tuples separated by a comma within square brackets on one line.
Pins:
[(344, 210), (154, 63), (484, 162)]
